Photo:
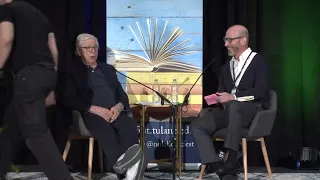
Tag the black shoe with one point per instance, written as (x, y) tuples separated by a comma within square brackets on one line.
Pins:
[(228, 168), (70, 178), (212, 167), (228, 177), (121, 176)]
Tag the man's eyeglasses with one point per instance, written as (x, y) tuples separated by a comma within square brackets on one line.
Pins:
[(229, 40), (91, 48)]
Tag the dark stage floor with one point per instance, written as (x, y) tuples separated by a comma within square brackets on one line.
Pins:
[(254, 173)]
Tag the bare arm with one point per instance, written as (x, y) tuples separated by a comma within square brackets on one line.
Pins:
[(53, 47), (6, 41)]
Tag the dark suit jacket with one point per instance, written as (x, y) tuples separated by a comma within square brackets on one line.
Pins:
[(78, 95), (254, 81)]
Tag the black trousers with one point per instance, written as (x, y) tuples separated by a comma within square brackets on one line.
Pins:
[(25, 119), (235, 116), (115, 138)]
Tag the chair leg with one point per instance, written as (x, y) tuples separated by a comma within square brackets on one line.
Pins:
[(66, 149), (245, 162), (101, 158), (203, 167), (90, 157), (265, 156)]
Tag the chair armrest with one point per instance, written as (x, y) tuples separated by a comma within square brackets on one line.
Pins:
[(262, 123)]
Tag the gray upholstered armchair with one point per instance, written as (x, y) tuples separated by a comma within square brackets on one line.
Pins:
[(78, 130), (260, 127)]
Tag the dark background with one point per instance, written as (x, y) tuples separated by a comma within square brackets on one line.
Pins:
[(283, 31)]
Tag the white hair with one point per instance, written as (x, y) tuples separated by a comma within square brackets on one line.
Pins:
[(83, 37)]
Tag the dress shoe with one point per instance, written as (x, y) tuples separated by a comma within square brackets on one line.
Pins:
[(121, 176), (70, 178), (228, 168), (228, 177), (212, 167)]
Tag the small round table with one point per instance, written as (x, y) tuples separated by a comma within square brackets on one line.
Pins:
[(178, 129)]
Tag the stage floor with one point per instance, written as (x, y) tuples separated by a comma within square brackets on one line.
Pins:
[(254, 173)]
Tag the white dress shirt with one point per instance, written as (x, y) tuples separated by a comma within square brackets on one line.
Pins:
[(238, 65)]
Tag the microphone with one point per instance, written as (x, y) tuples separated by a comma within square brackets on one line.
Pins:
[(185, 100), (159, 94), (187, 79)]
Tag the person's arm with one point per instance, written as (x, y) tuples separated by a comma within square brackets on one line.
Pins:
[(6, 41), (53, 48), (6, 34), (70, 98), (72, 101)]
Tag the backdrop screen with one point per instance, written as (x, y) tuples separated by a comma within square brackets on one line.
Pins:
[(161, 40)]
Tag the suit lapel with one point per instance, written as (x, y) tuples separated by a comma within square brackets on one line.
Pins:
[(107, 75)]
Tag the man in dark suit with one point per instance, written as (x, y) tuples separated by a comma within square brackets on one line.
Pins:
[(245, 74), (93, 89)]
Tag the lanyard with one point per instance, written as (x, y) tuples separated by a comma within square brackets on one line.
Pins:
[(234, 74)]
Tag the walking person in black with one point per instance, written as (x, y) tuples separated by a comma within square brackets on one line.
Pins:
[(28, 47)]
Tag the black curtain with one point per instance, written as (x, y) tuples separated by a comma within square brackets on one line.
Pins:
[(69, 18), (288, 41), (218, 16)]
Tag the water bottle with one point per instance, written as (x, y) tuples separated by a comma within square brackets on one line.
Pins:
[(156, 87), (174, 91)]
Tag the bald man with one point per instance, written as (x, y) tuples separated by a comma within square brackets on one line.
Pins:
[(245, 74)]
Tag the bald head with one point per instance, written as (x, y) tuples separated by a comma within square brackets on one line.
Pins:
[(240, 30), (5, 1), (236, 40)]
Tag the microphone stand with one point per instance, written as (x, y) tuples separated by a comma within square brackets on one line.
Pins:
[(186, 98), (174, 107)]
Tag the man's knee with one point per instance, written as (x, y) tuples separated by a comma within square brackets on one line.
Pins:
[(232, 105), (197, 124), (194, 125)]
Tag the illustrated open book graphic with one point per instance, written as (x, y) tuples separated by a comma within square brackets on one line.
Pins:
[(161, 54)]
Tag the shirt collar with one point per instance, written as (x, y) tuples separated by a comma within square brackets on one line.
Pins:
[(244, 55), (98, 65)]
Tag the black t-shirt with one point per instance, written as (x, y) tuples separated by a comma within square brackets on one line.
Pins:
[(31, 29)]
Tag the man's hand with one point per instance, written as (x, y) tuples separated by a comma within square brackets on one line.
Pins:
[(51, 99), (224, 97), (102, 112), (106, 114), (116, 110), (6, 41)]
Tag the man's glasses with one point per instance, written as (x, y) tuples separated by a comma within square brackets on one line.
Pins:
[(229, 40), (91, 48)]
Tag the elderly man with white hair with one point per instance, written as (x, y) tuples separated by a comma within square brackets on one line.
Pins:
[(92, 88)]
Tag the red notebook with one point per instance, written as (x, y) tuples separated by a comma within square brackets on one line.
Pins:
[(211, 99)]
